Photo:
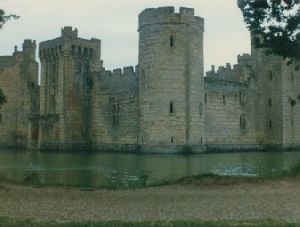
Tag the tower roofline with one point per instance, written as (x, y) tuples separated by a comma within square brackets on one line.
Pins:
[(167, 14)]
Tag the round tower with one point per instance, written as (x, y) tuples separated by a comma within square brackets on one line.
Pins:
[(171, 83)]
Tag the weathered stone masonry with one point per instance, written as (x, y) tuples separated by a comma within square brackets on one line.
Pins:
[(19, 83), (67, 64), (165, 104), (171, 85)]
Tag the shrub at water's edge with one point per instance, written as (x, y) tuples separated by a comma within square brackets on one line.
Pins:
[(294, 171), (143, 180)]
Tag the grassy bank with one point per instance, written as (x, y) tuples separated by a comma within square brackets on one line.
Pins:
[(31, 179), (6, 222)]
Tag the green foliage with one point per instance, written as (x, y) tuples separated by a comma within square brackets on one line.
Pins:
[(2, 98), (294, 171), (4, 17), (275, 24)]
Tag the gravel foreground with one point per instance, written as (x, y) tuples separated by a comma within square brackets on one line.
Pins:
[(206, 200)]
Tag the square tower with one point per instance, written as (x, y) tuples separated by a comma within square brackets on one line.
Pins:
[(67, 64)]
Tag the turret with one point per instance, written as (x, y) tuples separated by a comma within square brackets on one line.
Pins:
[(67, 32), (171, 85), (29, 47)]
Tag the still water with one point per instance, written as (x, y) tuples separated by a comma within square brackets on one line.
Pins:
[(132, 170)]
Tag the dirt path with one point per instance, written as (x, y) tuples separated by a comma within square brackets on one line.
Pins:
[(277, 200)]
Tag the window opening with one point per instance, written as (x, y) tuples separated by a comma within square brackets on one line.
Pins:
[(270, 124), (242, 122), (116, 115), (171, 107), (171, 41), (200, 108)]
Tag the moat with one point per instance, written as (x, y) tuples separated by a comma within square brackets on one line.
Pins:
[(134, 170)]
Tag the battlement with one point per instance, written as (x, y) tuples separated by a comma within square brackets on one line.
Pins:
[(229, 73), (67, 32), (28, 52), (117, 80), (168, 15), (244, 59), (213, 83), (69, 43), (126, 72), (28, 43)]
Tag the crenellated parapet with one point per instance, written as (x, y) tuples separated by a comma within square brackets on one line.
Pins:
[(27, 53), (117, 80), (69, 44), (120, 73), (237, 73), (165, 15)]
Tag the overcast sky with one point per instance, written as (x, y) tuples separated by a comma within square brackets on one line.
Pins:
[(115, 23)]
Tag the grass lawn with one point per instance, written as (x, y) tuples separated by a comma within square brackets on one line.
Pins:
[(6, 222)]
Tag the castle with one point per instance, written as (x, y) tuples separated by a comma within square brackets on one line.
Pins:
[(165, 104)]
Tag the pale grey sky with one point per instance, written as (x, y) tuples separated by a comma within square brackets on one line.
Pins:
[(115, 23)]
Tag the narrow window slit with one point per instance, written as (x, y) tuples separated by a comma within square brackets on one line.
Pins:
[(171, 41), (171, 107)]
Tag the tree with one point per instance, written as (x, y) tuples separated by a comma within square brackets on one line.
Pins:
[(2, 98), (275, 24), (4, 17)]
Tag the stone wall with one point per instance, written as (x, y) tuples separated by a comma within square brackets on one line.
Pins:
[(66, 87), (163, 105), (115, 110), (268, 74), (229, 115), (19, 83), (238, 73), (291, 106)]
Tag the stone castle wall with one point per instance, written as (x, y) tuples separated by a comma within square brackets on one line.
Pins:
[(115, 109), (229, 115), (19, 83), (66, 89), (269, 96), (165, 104), (291, 106), (238, 73)]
